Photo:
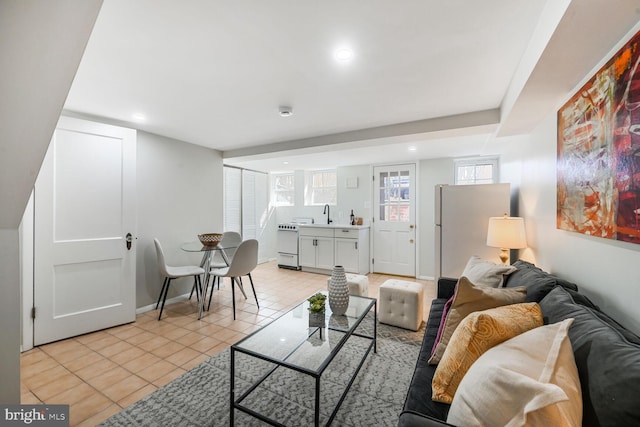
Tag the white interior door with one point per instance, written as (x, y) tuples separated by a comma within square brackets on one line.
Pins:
[(394, 232), (84, 273)]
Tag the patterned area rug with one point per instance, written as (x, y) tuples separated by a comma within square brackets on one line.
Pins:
[(200, 397)]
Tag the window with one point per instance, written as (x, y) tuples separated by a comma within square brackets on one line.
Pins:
[(320, 188), (478, 170), (395, 193), (283, 189)]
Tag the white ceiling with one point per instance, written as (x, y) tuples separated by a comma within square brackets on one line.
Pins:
[(213, 73)]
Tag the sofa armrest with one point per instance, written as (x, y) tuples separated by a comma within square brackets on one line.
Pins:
[(415, 419), (446, 287)]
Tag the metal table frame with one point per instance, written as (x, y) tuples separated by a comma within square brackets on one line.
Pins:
[(316, 374), (205, 263)]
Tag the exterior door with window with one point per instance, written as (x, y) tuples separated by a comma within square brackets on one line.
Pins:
[(394, 231)]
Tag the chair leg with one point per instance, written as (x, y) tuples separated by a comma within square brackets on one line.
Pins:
[(254, 289), (233, 296), (213, 285), (193, 288), (164, 285), (164, 298)]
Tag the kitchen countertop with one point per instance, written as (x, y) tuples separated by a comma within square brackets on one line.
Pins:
[(343, 226)]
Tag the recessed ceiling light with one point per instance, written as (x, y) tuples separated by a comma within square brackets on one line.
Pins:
[(343, 54), (285, 111), (285, 163), (412, 148), (139, 117)]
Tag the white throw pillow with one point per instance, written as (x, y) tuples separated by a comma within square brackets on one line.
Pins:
[(530, 380), (486, 273)]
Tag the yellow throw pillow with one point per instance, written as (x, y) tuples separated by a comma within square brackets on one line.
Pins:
[(477, 333), (469, 298)]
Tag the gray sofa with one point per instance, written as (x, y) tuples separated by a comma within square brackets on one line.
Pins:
[(607, 355)]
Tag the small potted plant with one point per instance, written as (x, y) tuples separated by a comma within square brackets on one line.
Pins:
[(316, 309)]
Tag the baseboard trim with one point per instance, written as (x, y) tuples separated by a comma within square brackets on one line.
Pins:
[(150, 307)]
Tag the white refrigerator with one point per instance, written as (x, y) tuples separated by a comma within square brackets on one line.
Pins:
[(461, 218)]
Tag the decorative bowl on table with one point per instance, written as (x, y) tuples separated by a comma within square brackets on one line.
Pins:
[(210, 239)]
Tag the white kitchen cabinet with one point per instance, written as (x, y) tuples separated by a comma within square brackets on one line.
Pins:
[(307, 251), (352, 249), (321, 248), (324, 253), (315, 249)]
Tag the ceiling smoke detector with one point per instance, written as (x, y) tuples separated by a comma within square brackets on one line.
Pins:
[(285, 111)]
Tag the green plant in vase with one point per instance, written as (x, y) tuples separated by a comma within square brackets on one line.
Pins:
[(316, 303)]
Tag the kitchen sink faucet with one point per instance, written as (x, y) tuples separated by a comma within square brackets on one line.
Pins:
[(326, 211)]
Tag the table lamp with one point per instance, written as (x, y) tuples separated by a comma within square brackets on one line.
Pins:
[(506, 232)]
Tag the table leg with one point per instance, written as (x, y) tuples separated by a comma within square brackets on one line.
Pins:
[(316, 417), (206, 265), (232, 389), (375, 326)]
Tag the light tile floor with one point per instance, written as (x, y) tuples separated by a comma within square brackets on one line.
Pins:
[(101, 373)]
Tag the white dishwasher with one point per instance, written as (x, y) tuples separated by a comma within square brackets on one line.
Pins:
[(287, 243)]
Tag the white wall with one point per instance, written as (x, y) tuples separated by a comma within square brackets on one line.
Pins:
[(10, 317), (179, 197), (25, 233), (41, 45), (358, 199), (431, 173), (605, 270), (441, 171)]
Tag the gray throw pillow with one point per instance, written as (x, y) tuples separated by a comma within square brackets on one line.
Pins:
[(607, 357), (486, 273)]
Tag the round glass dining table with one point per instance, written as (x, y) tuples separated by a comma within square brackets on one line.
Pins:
[(207, 254)]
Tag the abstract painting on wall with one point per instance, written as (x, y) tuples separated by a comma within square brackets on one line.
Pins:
[(599, 152)]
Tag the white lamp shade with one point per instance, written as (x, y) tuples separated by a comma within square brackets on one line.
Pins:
[(506, 232)]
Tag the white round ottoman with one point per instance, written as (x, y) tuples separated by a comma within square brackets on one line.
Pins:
[(401, 304), (357, 283)]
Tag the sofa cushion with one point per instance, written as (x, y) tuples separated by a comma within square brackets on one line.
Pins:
[(467, 299), (530, 379), (581, 299), (608, 360), (486, 273), (477, 333), (538, 282)]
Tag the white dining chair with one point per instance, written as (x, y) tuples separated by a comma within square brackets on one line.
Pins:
[(169, 273), (230, 240), (243, 263)]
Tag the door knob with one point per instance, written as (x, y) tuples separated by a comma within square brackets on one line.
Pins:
[(411, 241), (411, 226)]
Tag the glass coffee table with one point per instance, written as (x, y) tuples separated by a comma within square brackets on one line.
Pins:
[(299, 342)]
